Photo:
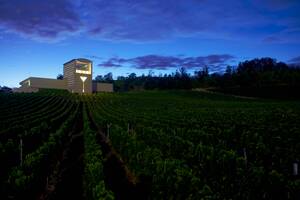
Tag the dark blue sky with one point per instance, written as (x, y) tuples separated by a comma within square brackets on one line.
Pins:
[(125, 36)]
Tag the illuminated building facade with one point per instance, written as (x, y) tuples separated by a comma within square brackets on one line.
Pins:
[(78, 75), (77, 79)]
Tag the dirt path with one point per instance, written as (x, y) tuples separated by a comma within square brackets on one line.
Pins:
[(232, 95), (67, 183), (71, 180), (117, 176)]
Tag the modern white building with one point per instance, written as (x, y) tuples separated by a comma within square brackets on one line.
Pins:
[(77, 79)]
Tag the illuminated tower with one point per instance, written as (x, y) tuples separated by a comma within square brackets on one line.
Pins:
[(78, 73)]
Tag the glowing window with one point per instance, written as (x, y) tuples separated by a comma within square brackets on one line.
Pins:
[(78, 71), (83, 69)]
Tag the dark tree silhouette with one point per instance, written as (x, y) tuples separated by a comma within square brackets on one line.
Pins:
[(60, 77), (257, 77)]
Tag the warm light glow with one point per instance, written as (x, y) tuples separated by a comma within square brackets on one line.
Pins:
[(78, 71), (83, 78), (83, 69)]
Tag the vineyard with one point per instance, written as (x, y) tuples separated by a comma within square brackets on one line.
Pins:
[(148, 145)]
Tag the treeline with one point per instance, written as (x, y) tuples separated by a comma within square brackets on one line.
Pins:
[(258, 77), (261, 72)]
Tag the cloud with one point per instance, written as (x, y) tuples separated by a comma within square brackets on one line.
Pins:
[(295, 61), (160, 62), (38, 19), (112, 62), (143, 20), (155, 62), (152, 20)]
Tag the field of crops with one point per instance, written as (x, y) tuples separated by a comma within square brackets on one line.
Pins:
[(148, 145)]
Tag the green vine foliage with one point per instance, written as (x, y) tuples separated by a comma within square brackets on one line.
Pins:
[(94, 185)]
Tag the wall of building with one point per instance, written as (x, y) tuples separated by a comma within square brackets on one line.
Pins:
[(69, 75), (35, 82), (102, 87), (25, 89), (72, 73)]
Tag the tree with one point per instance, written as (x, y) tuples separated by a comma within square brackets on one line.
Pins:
[(60, 77), (132, 76), (121, 78), (261, 71), (99, 78), (108, 77), (228, 78), (201, 75), (184, 81), (150, 73), (228, 71), (183, 72)]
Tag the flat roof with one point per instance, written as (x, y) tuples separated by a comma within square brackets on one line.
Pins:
[(79, 59)]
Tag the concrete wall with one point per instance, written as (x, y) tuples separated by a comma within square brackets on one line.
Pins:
[(69, 75), (35, 82), (72, 72), (102, 87), (25, 89)]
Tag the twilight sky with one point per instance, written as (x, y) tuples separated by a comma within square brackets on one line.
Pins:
[(125, 36)]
